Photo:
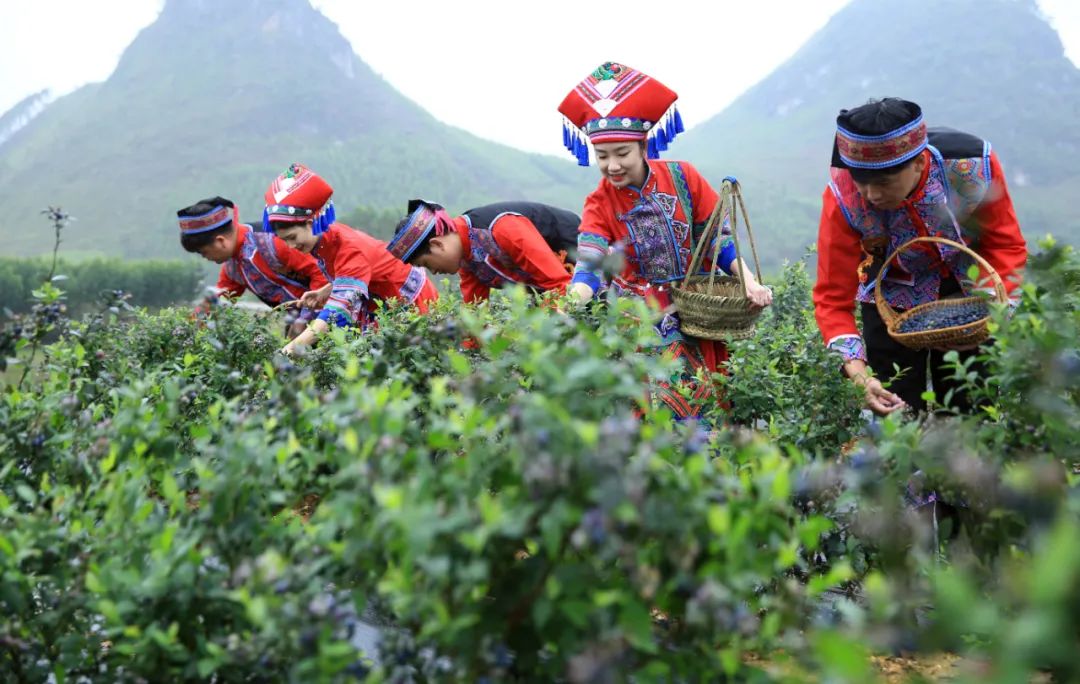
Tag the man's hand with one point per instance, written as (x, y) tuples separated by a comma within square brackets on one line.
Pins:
[(289, 349), (878, 399), (314, 299)]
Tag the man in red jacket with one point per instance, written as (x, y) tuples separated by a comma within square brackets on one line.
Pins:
[(250, 259), (362, 273), (492, 246), (893, 180)]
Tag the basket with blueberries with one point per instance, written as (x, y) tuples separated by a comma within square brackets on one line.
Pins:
[(956, 322)]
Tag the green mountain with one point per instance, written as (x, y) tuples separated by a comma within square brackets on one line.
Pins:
[(994, 68), (217, 97)]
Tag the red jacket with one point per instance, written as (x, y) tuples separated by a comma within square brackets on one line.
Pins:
[(273, 271), (362, 272), (840, 252), (517, 241)]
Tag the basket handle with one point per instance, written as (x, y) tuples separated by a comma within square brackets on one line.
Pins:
[(737, 189), (730, 200), (710, 227), (889, 314)]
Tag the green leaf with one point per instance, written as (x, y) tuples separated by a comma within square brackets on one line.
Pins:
[(109, 461), (841, 572), (351, 441), (206, 667), (542, 611), (636, 625), (93, 584), (719, 518), (576, 611), (108, 609), (458, 362), (170, 490), (781, 484), (25, 493), (165, 539), (392, 498)]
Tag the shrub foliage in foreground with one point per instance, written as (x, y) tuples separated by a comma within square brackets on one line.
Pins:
[(177, 502)]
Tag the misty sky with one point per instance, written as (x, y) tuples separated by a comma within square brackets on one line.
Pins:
[(483, 46)]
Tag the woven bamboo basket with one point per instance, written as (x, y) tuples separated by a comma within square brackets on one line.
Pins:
[(715, 306), (968, 334)]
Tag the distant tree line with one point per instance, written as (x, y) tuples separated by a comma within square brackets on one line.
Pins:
[(152, 283), (377, 222)]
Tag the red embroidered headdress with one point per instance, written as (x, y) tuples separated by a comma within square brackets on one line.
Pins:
[(616, 103), (299, 195)]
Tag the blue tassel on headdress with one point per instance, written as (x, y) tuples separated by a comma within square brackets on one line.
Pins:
[(582, 153), (320, 224), (669, 128), (653, 152), (678, 123), (267, 228), (565, 136), (661, 139)]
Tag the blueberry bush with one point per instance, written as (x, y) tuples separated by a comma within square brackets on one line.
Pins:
[(485, 494)]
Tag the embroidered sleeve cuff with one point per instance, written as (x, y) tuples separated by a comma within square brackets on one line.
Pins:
[(849, 347), (335, 316), (592, 248), (587, 277)]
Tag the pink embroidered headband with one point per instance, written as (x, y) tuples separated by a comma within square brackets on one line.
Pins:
[(881, 151), (215, 218), (425, 220)]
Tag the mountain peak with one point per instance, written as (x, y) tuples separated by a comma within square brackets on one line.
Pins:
[(995, 68), (24, 111), (214, 98)]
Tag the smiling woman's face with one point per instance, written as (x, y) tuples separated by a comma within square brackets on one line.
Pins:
[(622, 163), (297, 235)]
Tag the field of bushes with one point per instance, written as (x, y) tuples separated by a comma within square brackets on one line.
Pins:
[(486, 494)]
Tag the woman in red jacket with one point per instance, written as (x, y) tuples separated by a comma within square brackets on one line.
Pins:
[(360, 269), (650, 211)]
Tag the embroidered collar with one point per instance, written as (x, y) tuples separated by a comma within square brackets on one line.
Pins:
[(920, 188), (241, 239), (648, 184), (462, 224), (322, 240)]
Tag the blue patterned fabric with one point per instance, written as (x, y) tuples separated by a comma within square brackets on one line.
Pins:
[(347, 303), (848, 347), (244, 269), (953, 190)]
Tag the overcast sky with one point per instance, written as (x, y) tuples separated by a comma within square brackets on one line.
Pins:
[(531, 54)]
